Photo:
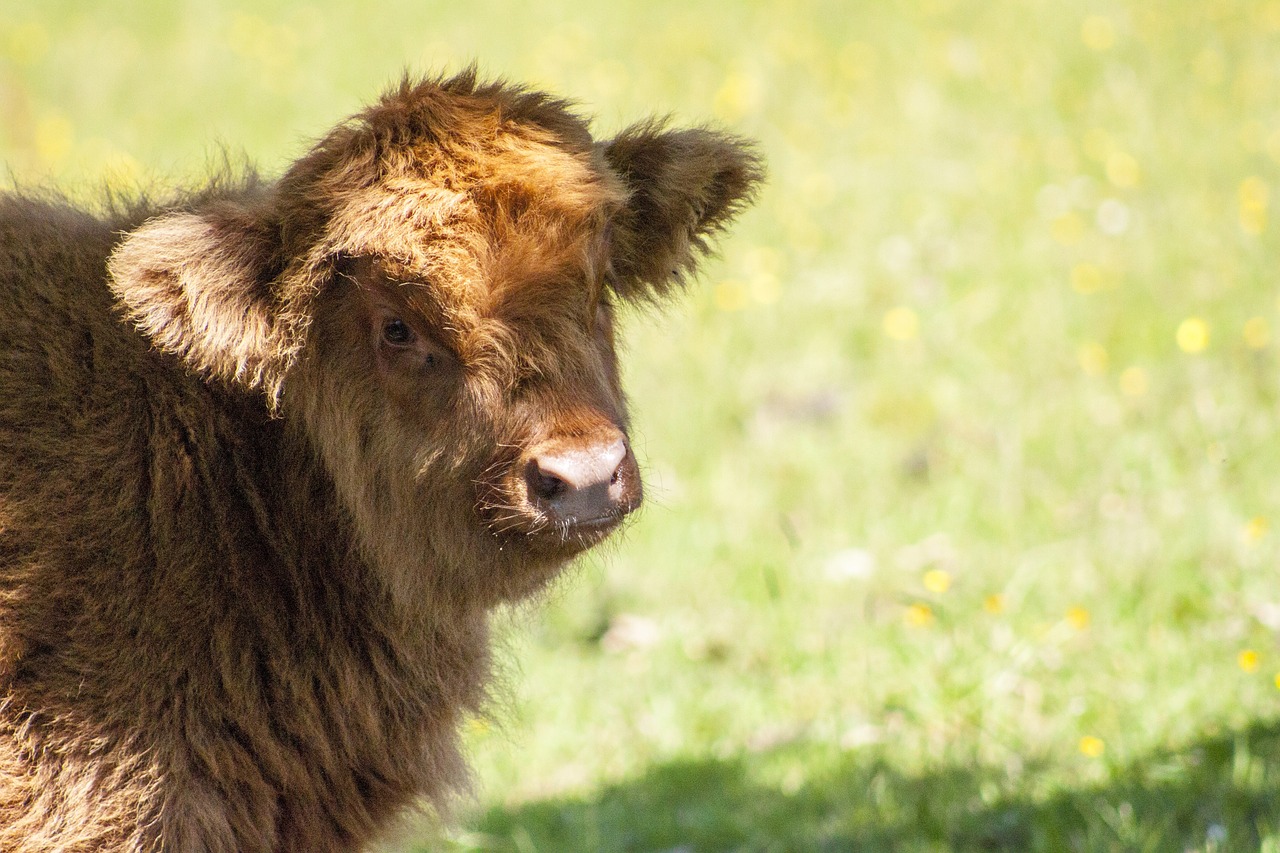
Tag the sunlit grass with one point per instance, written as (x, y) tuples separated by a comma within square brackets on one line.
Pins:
[(961, 462)]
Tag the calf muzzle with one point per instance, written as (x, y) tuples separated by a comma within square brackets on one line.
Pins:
[(585, 483)]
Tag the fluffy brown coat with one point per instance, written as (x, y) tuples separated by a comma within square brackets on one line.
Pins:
[(265, 455)]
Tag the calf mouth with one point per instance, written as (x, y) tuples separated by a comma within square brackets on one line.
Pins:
[(554, 536), (589, 531)]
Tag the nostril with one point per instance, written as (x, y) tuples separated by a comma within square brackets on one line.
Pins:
[(544, 486)]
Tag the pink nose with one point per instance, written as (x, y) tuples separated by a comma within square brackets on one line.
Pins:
[(585, 483)]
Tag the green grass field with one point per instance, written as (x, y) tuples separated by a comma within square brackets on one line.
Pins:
[(963, 529)]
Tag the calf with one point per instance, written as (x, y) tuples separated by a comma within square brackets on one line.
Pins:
[(271, 451)]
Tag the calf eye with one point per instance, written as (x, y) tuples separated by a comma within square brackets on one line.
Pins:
[(397, 333)]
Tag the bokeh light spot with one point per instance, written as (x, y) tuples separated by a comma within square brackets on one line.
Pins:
[(1257, 333), (918, 615), (901, 324), (1098, 33), (27, 43), (1068, 229), (1086, 278), (1134, 382), (54, 137), (1092, 357), (937, 581), (1193, 335), (1253, 198), (1123, 170), (731, 295)]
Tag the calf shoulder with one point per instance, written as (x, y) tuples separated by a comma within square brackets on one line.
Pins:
[(192, 654)]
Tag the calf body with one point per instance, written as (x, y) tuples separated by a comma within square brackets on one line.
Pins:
[(270, 452)]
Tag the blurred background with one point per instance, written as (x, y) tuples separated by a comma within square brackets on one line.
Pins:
[(961, 457)]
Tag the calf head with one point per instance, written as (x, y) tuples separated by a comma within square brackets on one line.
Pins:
[(428, 299)]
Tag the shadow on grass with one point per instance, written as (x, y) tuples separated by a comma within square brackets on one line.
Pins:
[(1220, 793)]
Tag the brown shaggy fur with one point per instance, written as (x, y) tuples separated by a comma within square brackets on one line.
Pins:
[(264, 460)]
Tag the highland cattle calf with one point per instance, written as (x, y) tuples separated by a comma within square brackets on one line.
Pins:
[(271, 451)]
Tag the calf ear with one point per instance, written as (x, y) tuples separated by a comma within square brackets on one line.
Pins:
[(199, 286), (685, 185)]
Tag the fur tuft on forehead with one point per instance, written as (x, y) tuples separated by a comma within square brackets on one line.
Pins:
[(461, 109), (440, 152)]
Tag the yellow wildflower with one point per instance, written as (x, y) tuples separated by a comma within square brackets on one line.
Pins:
[(1134, 382), (736, 98), (937, 581), (1098, 33), (731, 295), (1253, 196), (1092, 746), (1068, 229), (27, 43), (1086, 278), (901, 324), (1093, 358), (1253, 192), (1257, 333), (1248, 660), (1193, 335), (1097, 143), (54, 138), (919, 615), (1209, 66), (1123, 170)]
